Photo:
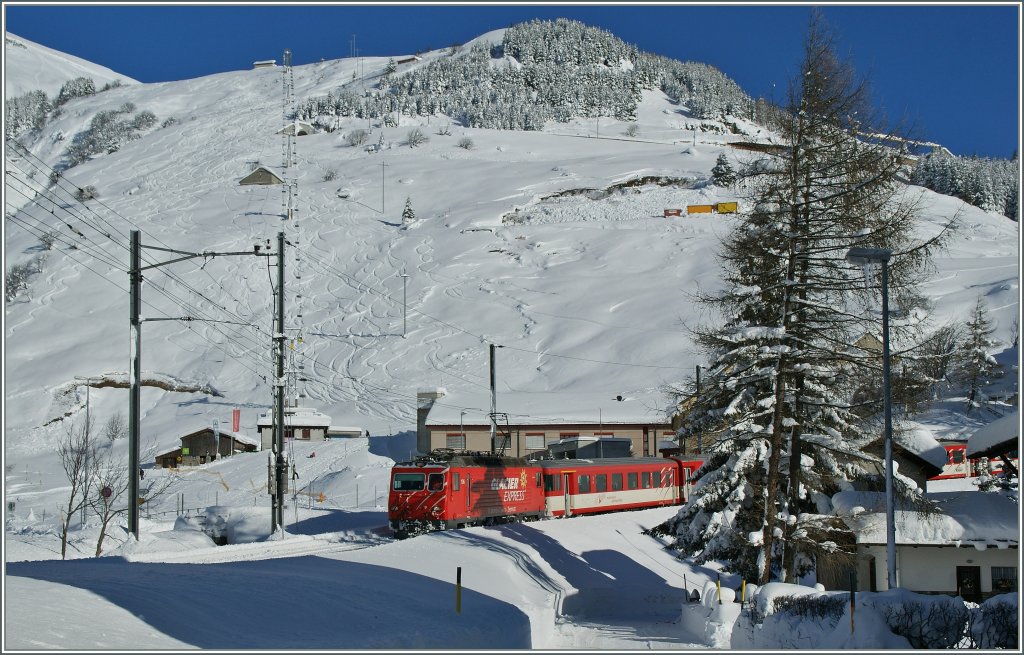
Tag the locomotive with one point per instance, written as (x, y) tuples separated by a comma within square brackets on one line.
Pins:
[(453, 489)]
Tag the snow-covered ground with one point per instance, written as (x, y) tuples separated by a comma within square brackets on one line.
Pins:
[(590, 293)]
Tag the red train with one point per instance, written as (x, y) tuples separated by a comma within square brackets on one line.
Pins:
[(959, 466), (447, 489)]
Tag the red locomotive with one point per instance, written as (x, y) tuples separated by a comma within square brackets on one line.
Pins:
[(448, 489)]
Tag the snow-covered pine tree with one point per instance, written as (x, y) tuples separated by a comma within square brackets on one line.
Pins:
[(977, 366), (777, 409), (408, 215), (722, 173)]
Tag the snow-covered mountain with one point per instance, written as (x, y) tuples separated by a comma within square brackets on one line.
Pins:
[(29, 66), (551, 243)]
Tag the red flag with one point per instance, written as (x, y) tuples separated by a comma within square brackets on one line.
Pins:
[(236, 419)]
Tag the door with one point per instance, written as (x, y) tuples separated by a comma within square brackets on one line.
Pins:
[(968, 583), (566, 496)]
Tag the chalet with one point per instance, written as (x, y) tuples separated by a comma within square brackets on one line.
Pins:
[(968, 549), (409, 60), (267, 63), (206, 445), (301, 423), (261, 175), (531, 423)]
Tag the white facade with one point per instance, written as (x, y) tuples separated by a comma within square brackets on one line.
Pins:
[(302, 423)]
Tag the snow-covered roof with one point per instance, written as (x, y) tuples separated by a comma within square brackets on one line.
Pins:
[(472, 408), (968, 518), (237, 436), (297, 417), (920, 441), (1000, 436)]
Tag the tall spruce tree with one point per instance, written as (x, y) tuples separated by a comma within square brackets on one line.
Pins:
[(976, 363), (777, 404)]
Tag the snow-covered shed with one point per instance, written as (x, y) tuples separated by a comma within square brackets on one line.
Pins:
[(298, 128), (204, 445), (969, 548), (262, 175), (266, 63), (916, 452), (303, 423)]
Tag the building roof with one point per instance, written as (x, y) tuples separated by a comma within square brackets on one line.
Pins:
[(237, 436), (305, 417), (1000, 436), (968, 518), (555, 408)]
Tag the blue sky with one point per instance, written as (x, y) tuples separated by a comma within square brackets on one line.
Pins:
[(951, 70)]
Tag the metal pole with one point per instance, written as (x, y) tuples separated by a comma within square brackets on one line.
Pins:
[(700, 438), (279, 476), (405, 311), (890, 510), (494, 402), (134, 410)]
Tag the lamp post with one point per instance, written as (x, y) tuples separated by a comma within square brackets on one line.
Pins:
[(865, 257), (462, 429)]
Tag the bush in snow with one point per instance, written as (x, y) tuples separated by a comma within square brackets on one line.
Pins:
[(994, 623), (931, 622), (415, 137), (19, 275), (107, 132), (465, 143), (357, 137)]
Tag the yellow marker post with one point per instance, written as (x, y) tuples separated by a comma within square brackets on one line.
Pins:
[(743, 593), (719, 588)]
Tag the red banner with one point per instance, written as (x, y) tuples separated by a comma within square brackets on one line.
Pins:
[(236, 419)]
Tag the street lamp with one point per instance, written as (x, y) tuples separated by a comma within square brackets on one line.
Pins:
[(866, 257), (462, 429)]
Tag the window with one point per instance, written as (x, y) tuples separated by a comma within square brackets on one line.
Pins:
[(957, 457), (456, 482), (535, 441), (601, 482), (408, 482), (552, 482), (631, 480), (647, 442), (584, 484), (657, 478), (538, 485), (436, 482), (305, 433), (645, 478), (1004, 579), (568, 435), (616, 481), (455, 440)]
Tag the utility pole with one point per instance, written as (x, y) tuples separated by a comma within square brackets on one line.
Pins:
[(405, 312), (134, 379), (279, 464), (494, 403), (135, 269)]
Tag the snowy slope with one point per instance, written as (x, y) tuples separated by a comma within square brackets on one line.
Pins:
[(29, 66), (590, 293)]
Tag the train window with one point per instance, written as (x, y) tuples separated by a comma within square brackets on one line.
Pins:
[(584, 484), (408, 482), (957, 457), (657, 478), (436, 482), (550, 483), (645, 478), (456, 482), (538, 480), (631, 480), (616, 481), (601, 482)]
